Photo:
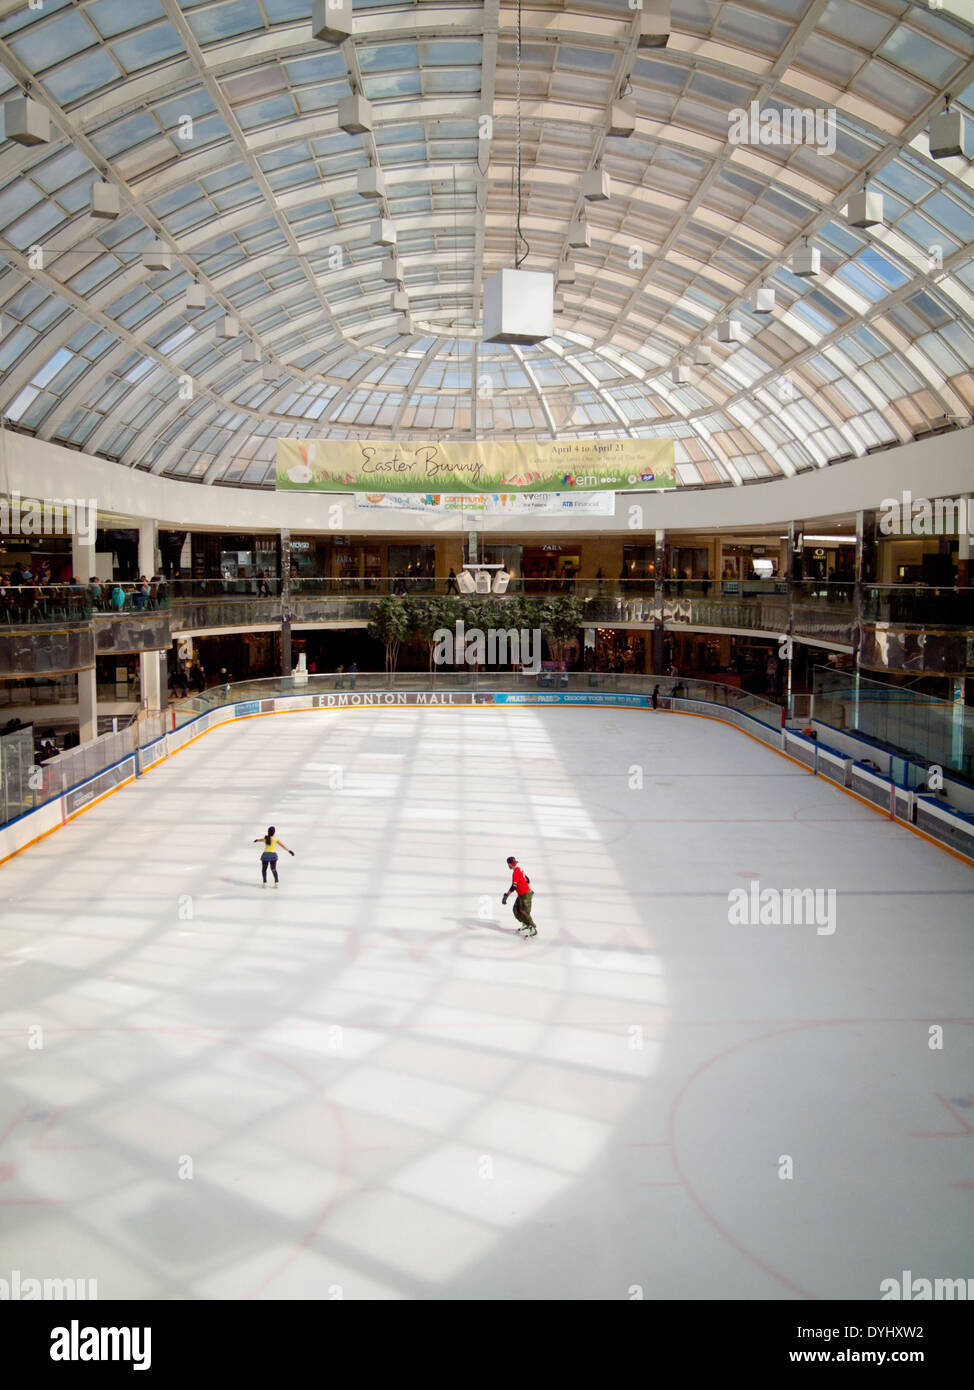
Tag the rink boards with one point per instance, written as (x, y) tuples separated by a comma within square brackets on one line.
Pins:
[(943, 825)]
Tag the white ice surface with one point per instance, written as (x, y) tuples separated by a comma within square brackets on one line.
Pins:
[(377, 1087)]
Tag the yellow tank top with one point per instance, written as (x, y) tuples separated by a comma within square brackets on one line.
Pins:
[(270, 845)]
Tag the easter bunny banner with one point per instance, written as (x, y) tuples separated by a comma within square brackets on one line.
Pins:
[(458, 466)]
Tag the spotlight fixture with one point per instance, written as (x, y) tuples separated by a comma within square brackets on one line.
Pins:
[(807, 261), (865, 209), (596, 185), (370, 183), (764, 300), (703, 355), (355, 114), (251, 352), (400, 301), (194, 299), (384, 232), (230, 327), (622, 118), (681, 373), (947, 133), (157, 257), (26, 121), (729, 331), (579, 236), (104, 199), (331, 20), (653, 24), (519, 306)]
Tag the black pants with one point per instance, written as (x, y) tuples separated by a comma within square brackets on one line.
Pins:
[(268, 859)]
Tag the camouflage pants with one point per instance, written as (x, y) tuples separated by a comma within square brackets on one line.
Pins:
[(522, 908)]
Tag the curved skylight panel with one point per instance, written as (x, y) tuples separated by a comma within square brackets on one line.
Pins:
[(238, 230)]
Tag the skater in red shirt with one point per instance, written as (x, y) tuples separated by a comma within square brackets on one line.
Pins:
[(521, 885)]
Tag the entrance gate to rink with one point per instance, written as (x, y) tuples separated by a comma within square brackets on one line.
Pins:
[(67, 785)]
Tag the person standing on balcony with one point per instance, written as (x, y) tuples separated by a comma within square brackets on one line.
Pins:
[(451, 584), (340, 678), (352, 673)]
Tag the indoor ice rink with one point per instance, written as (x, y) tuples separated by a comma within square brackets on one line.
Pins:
[(365, 1085)]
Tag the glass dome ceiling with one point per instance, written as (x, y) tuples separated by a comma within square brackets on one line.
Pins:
[(218, 124)]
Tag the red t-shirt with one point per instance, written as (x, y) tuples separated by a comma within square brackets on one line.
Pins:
[(522, 883)]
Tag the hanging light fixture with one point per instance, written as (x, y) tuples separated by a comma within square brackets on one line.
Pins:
[(579, 235), (764, 300), (104, 199), (622, 117), (947, 133), (26, 120), (596, 185), (157, 257), (331, 20), (355, 114), (370, 183), (729, 331), (865, 209), (807, 261), (518, 304), (194, 299), (653, 24)]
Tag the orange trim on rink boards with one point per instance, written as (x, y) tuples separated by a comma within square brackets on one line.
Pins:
[(605, 704), (66, 820)]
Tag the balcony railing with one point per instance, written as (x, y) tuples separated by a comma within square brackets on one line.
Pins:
[(819, 609)]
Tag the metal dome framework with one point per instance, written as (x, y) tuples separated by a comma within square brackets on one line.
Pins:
[(218, 124)]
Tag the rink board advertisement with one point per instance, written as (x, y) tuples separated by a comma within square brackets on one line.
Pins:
[(564, 698), (105, 782), (470, 466)]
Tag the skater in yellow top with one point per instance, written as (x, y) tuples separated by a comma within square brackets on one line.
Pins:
[(269, 855)]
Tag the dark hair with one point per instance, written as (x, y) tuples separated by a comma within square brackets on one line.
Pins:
[(270, 832), (511, 859)]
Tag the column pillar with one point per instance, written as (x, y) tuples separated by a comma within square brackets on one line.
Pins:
[(857, 609), (964, 542), (82, 556), (87, 705), (150, 681), (957, 724), (285, 601), (793, 545), (659, 580), (148, 538)]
